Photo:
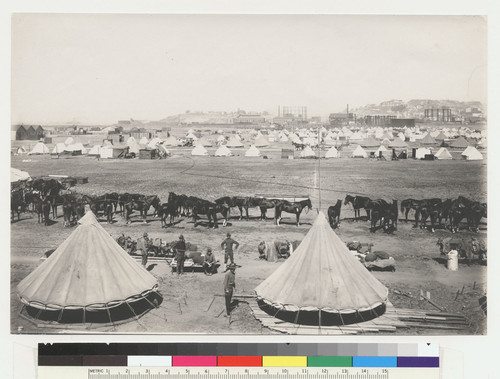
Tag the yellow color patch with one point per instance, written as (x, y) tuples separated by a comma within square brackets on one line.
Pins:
[(284, 361)]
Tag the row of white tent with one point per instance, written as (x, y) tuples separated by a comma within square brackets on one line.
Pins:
[(470, 153)]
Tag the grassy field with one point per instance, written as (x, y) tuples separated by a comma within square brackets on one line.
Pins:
[(186, 298)]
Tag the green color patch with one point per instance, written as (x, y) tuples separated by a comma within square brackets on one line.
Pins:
[(329, 361)]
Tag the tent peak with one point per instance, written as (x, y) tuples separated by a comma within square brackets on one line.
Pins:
[(88, 219)]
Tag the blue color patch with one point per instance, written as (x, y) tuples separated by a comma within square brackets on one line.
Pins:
[(374, 362)]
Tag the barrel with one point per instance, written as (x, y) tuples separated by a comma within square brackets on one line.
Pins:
[(452, 263)]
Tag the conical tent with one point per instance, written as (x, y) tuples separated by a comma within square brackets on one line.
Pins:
[(359, 152), (443, 153), (223, 151), (332, 153), (133, 145), (18, 175), (261, 141), (143, 141), (171, 141), (307, 152), (199, 150), (69, 141), (40, 148), (397, 143), (204, 141), (369, 142), (155, 141), (88, 278), (472, 154), (234, 142), (95, 150), (460, 142), (427, 140), (252, 152), (323, 275), (59, 148)]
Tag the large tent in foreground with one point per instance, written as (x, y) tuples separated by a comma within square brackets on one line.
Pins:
[(322, 283), (89, 278)]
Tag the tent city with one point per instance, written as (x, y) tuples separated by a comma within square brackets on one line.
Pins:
[(149, 196)]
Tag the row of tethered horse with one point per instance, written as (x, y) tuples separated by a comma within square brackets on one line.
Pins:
[(44, 196)]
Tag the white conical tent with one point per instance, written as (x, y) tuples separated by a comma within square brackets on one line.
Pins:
[(155, 141), (307, 152), (89, 270), (332, 153), (95, 150), (59, 148), (472, 154), (133, 145), (322, 274), (223, 151), (143, 141), (76, 147), (40, 148), (21, 150), (234, 142), (204, 141), (252, 152), (261, 141), (171, 141), (69, 141), (359, 152), (443, 153), (18, 175), (422, 152), (199, 150)]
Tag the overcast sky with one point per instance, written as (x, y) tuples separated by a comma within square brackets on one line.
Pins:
[(102, 68)]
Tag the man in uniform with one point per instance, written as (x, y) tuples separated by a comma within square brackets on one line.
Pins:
[(142, 248), (209, 263), (227, 245), (180, 254), (229, 287)]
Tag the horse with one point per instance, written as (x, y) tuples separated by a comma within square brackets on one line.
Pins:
[(334, 214), (164, 210), (205, 207), (142, 206), (358, 202), (17, 204), (407, 205), (265, 204), (296, 208), (425, 205), (391, 217), (377, 209)]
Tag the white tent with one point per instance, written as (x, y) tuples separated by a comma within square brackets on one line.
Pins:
[(76, 147), (359, 152), (18, 175), (163, 150), (199, 150), (155, 141), (443, 153), (191, 136), (355, 137), (106, 152), (223, 151), (133, 146), (69, 141), (307, 152), (422, 152), (59, 148), (171, 141), (261, 141), (472, 154), (382, 149), (143, 141), (252, 152), (234, 142), (21, 150), (40, 148), (332, 153), (221, 139), (95, 150)]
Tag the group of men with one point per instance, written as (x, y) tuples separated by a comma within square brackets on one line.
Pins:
[(209, 263)]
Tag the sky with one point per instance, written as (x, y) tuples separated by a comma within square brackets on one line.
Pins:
[(97, 69)]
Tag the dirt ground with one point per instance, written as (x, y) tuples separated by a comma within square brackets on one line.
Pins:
[(186, 298)]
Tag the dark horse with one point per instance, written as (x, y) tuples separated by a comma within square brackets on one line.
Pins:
[(205, 207), (265, 204), (296, 208), (358, 202), (407, 205), (378, 211), (167, 209), (142, 206), (334, 214), (17, 204)]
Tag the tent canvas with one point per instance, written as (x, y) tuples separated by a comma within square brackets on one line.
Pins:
[(460, 142), (199, 150), (171, 141), (133, 146), (40, 148), (204, 141), (422, 152), (143, 141), (18, 175), (398, 143), (307, 152), (223, 151), (261, 141), (472, 154), (322, 275), (359, 152), (59, 148), (369, 142), (252, 152), (69, 141), (155, 141), (89, 272), (443, 153), (106, 152), (427, 140), (95, 150), (332, 153), (234, 142)]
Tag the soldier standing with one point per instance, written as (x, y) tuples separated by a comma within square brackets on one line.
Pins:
[(180, 254)]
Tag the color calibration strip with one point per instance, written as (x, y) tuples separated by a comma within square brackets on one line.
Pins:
[(237, 355)]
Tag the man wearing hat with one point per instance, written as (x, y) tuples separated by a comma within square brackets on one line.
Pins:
[(229, 286), (209, 263), (142, 248), (180, 254), (227, 245)]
